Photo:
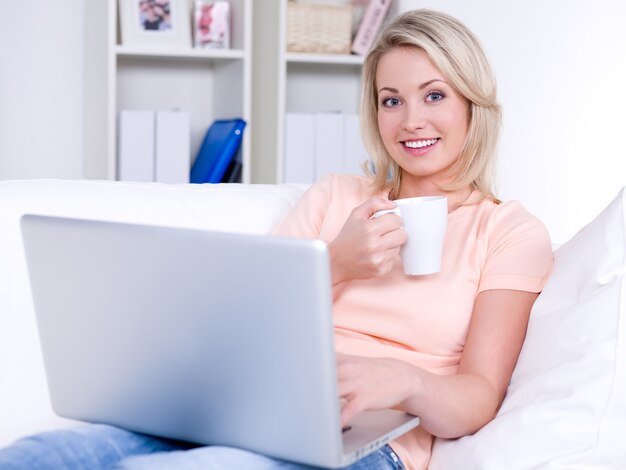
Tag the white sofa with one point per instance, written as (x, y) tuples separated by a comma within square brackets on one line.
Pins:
[(565, 407)]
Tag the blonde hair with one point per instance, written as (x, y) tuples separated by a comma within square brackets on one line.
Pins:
[(458, 55)]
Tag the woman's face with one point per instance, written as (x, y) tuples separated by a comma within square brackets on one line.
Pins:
[(422, 120)]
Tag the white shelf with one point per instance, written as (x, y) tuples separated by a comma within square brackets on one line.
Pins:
[(339, 59), (202, 54)]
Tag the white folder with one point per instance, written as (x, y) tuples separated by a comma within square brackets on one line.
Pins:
[(136, 146), (173, 147), (354, 151), (329, 143), (299, 163)]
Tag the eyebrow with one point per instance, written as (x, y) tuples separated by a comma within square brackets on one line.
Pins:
[(421, 87), (429, 82)]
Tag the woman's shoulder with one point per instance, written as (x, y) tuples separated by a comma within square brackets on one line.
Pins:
[(517, 248), (513, 212), (492, 218), (512, 219), (486, 207)]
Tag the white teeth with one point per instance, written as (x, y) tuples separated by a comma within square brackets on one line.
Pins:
[(418, 144)]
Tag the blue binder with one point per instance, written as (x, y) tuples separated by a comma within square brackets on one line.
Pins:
[(219, 147)]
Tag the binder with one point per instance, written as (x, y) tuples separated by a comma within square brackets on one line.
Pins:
[(299, 164), (234, 171), (219, 147), (354, 151), (172, 150), (329, 143), (136, 146)]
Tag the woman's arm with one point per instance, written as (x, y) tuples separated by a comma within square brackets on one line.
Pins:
[(453, 405)]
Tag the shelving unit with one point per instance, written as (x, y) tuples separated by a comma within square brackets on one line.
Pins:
[(292, 82), (257, 80), (210, 84)]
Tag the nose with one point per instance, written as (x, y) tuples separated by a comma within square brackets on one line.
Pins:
[(414, 117)]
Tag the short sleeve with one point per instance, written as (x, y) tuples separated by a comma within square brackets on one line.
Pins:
[(519, 251), (306, 217)]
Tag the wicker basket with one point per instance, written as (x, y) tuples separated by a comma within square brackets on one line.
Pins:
[(319, 28)]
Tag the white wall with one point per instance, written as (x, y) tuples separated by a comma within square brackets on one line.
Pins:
[(561, 70), (41, 47)]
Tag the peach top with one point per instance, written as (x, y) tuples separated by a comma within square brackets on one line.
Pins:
[(424, 320)]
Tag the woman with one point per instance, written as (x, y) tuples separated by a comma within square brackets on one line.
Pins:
[(441, 346)]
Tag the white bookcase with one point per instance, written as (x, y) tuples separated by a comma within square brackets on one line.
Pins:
[(257, 80), (292, 82), (209, 84)]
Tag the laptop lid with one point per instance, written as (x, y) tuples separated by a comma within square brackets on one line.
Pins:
[(214, 338)]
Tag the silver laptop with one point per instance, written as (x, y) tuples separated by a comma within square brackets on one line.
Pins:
[(207, 337)]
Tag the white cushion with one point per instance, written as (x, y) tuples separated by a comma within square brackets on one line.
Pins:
[(566, 405)]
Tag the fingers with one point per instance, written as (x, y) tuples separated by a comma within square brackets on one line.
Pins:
[(371, 206), (349, 411), (345, 374), (354, 391), (350, 404), (349, 370), (371, 384), (387, 248), (367, 247), (387, 223), (392, 235)]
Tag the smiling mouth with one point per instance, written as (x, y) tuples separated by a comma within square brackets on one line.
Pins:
[(419, 144)]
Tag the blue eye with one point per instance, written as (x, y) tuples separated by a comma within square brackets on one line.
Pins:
[(434, 96), (391, 102)]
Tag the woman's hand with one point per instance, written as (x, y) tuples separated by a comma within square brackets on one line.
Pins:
[(372, 384), (366, 247)]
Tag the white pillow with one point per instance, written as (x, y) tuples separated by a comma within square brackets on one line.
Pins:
[(566, 404)]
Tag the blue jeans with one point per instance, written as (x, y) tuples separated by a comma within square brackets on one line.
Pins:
[(100, 446)]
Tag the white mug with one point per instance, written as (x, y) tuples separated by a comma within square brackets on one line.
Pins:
[(424, 220)]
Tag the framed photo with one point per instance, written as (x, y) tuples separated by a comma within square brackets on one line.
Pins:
[(159, 23), (212, 24)]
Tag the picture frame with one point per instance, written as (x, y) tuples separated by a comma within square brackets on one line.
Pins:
[(155, 23), (212, 24)]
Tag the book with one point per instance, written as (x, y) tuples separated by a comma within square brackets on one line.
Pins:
[(370, 24), (329, 143), (299, 164), (172, 147), (136, 146), (220, 145)]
